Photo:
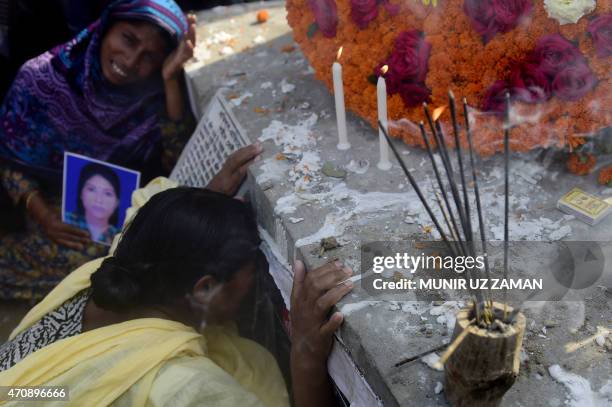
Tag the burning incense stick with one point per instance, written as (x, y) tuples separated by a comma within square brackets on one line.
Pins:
[(477, 195), (506, 194), (415, 186), (466, 201), (454, 231), (448, 166)]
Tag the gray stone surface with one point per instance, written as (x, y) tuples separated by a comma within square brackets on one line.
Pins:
[(380, 205)]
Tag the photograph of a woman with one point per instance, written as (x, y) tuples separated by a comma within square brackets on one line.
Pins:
[(97, 203), (96, 196)]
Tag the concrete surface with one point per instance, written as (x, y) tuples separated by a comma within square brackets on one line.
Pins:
[(392, 327)]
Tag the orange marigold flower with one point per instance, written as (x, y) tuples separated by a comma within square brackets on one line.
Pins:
[(581, 163), (605, 176)]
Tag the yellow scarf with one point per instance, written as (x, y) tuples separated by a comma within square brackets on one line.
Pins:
[(144, 344)]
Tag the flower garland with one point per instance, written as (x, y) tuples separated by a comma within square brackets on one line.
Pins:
[(462, 59)]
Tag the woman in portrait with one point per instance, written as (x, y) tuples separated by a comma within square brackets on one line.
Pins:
[(97, 203)]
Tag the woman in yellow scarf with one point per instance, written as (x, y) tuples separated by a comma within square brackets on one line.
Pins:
[(125, 330)]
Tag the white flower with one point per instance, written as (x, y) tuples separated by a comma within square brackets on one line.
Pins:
[(568, 11)]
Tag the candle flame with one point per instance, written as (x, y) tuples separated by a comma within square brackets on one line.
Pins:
[(384, 69), (339, 54), (438, 112)]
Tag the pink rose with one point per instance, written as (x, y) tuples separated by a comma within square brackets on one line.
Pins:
[(601, 32), (408, 65), (573, 82), (494, 99), (326, 16), (555, 53), (489, 17), (364, 11), (529, 84), (414, 94), (410, 57), (482, 17), (508, 13)]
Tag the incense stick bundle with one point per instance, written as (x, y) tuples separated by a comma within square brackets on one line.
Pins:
[(477, 295), (455, 230), (415, 186), (466, 201)]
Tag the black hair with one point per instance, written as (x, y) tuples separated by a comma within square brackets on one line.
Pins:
[(176, 238), (88, 171)]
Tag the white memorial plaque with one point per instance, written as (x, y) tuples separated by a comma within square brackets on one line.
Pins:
[(217, 136)]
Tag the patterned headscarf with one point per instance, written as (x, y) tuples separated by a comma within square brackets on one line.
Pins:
[(60, 100)]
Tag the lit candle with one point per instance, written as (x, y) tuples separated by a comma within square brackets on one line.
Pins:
[(343, 143), (381, 95)]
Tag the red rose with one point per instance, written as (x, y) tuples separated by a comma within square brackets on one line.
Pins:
[(408, 65), (508, 13), (495, 98), (482, 17), (489, 17), (363, 11), (573, 82), (601, 32), (326, 16), (414, 94), (529, 84), (410, 57), (555, 53)]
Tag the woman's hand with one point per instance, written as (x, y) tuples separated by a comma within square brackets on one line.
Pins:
[(173, 65), (59, 232), (64, 234), (228, 180), (313, 296)]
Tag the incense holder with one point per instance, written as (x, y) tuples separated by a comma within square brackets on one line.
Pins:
[(486, 363)]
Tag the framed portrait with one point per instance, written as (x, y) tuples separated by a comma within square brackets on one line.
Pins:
[(96, 195)]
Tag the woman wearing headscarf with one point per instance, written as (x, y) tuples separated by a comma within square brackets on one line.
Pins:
[(113, 93)]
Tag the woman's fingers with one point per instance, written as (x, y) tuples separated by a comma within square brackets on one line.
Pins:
[(299, 273), (191, 33), (62, 234), (244, 155), (332, 324), (70, 230), (71, 245), (327, 276), (324, 303)]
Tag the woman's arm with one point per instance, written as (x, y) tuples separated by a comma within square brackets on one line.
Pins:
[(313, 296), (25, 190), (171, 70)]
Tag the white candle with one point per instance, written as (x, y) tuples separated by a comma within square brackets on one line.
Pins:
[(381, 95), (343, 143)]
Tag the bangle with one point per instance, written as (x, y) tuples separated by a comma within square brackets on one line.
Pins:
[(29, 198)]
